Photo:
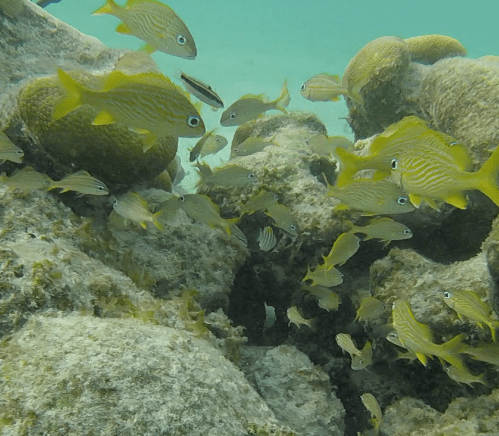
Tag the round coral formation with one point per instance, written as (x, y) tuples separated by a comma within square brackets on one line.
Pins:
[(113, 153)]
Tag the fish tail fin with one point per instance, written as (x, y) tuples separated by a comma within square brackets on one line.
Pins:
[(159, 225), (283, 100), (494, 325), (72, 100), (487, 177), (108, 8), (452, 349), (52, 186), (349, 165)]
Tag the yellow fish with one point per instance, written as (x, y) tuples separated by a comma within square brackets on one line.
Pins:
[(384, 228), (426, 173), (327, 145), (9, 151), (418, 337), (468, 304), (323, 87), (261, 201), (485, 352), (322, 276), (345, 342), (372, 197), (200, 208), (364, 359), (391, 144), (370, 308), (27, 180), (282, 218), (148, 103), (154, 23), (326, 299), (373, 407), (208, 144), (133, 207), (295, 317), (80, 182), (251, 106), (345, 246), (252, 145), (462, 375), (231, 175)]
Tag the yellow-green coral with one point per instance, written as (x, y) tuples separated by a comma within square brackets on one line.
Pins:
[(112, 153), (379, 60), (11, 7), (429, 49)]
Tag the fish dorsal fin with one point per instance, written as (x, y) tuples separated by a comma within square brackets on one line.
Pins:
[(117, 78), (262, 97), (82, 173)]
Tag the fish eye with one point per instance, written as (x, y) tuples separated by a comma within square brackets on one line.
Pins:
[(407, 232), (232, 115), (181, 39), (402, 200), (181, 198), (251, 176), (276, 197), (303, 87), (453, 143), (394, 164), (193, 121), (447, 294), (292, 227), (101, 188), (307, 141), (20, 152)]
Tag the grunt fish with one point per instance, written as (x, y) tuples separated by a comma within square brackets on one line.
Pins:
[(252, 145), (485, 352), (462, 375), (372, 406), (26, 180), (148, 103), (213, 145), (326, 299), (133, 207), (372, 197), (261, 201), (295, 317), (195, 152), (200, 208), (266, 239), (345, 342), (345, 246), (426, 173), (323, 87), (282, 218), (468, 304), (364, 359), (251, 106), (384, 228), (9, 151), (324, 277), (370, 308), (202, 91), (327, 145), (154, 23), (81, 182), (231, 175)]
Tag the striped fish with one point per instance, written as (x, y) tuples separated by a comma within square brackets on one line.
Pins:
[(201, 91), (372, 197), (266, 239), (427, 174), (372, 405), (9, 151), (148, 103), (154, 23)]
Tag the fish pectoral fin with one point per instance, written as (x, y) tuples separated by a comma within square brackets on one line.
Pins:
[(149, 141), (415, 200), (422, 358), (341, 206), (103, 118), (457, 200), (148, 48), (123, 28)]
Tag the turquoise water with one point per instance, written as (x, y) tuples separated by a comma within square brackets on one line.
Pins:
[(250, 47)]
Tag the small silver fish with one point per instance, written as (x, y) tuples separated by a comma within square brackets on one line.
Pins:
[(326, 299), (252, 145), (270, 316), (261, 201), (201, 91), (251, 106), (81, 182), (200, 208), (213, 145), (266, 239), (9, 151), (296, 318)]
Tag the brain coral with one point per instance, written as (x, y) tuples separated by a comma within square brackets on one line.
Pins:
[(113, 153), (429, 49)]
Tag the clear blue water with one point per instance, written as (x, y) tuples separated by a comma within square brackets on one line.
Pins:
[(251, 46)]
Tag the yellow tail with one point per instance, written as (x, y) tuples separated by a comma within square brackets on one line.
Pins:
[(487, 177), (158, 223), (283, 100), (350, 164), (72, 100), (108, 8)]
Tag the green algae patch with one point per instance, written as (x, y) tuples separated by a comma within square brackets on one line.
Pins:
[(112, 153)]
